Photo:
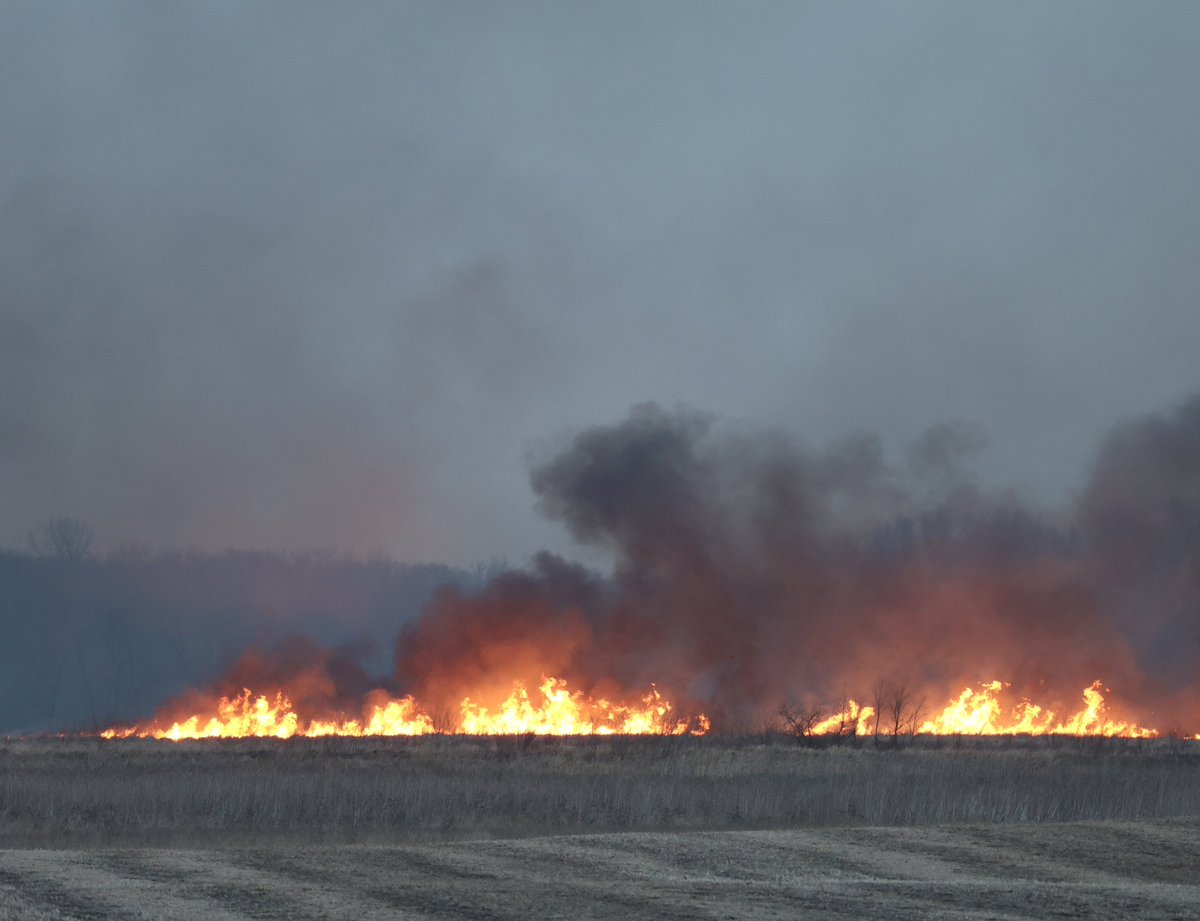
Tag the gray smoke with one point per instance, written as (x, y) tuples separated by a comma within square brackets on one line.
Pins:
[(285, 275), (750, 568)]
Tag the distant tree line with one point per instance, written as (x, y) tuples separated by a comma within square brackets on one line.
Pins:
[(89, 639)]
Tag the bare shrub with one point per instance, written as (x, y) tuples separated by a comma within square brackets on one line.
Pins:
[(63, 538), (799, 721), (898, 711)]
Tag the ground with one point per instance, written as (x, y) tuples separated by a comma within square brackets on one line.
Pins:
[(1146, 869)]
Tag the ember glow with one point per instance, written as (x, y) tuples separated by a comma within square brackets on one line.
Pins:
[(552, 709)]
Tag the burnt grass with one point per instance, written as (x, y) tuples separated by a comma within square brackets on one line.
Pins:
[(71, 792)]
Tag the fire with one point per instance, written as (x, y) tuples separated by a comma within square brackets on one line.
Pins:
[(553, 709), (561, 712), (980, 712), (852, 719), (264, 717)]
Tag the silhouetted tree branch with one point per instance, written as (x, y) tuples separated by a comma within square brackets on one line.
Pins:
[(799, 722), (63, 538)]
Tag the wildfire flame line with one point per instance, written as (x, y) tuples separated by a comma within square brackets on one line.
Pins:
[(553, 710), (981, 712)]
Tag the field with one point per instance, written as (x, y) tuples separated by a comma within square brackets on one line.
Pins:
[(637, 827)]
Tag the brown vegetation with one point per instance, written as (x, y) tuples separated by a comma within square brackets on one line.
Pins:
[(85, 792)]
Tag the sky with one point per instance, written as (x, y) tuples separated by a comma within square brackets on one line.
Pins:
[(297, 275)]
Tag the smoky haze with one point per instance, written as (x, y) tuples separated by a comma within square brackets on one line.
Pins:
[(290, 275), (751, 568)]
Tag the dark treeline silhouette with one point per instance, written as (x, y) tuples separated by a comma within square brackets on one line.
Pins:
[(87, 640)]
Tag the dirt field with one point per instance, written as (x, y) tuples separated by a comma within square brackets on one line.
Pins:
[(1116, 870)]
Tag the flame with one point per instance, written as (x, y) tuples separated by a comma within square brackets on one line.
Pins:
[(553, 710), (561, 712), (261, 716), (980, 712), (852, 719)]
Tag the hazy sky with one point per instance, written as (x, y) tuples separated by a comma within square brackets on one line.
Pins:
[(307, 274)]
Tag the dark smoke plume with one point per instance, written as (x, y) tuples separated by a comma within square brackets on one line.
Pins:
[(1140, 519), (749, 568)]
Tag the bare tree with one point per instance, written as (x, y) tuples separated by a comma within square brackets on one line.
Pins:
[(483, 573), (916, 716), (898, 711), (879, 695), (63, 538), (843, 725), (444, 720), (798, 721)]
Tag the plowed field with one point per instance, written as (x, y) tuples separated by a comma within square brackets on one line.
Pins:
[(1118, 870)]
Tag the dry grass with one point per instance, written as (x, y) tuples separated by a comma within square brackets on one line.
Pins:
[(67, 793)]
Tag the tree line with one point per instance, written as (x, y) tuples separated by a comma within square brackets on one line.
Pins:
[(88, 639)]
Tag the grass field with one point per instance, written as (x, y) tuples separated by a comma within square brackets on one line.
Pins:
[(606, 828), (86, 792)]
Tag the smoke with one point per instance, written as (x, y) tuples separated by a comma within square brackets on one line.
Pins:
[(1141, 509), (273, 276), (1140, 519), (316, 678), (748, 568)]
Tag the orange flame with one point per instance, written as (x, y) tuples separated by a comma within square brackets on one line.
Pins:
[(561, 712), (853, 719), (555, 710), (981, 713), (258, 716)]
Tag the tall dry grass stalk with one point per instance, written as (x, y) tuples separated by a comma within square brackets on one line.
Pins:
[(71, 792)]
